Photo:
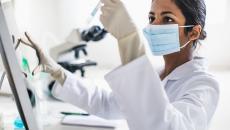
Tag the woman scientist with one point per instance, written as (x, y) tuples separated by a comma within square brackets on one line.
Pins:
[(182, 96)]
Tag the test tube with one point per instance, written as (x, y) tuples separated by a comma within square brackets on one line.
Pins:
[(94, 12)]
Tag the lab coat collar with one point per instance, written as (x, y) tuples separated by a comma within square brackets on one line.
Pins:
[(197, 63)]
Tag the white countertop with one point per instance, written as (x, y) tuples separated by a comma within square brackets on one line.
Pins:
[(50, 109), (50, 115)]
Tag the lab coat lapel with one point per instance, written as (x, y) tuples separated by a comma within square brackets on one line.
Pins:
[(197, 63)]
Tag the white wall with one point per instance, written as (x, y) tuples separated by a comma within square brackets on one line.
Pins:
[(38, 17), (216, 47)]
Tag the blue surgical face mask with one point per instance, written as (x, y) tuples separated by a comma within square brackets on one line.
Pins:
[(164, 39)]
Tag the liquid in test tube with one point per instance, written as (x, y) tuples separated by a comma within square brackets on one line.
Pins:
[(94, 12)]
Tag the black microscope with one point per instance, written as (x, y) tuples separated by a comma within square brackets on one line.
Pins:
[(94, 33)]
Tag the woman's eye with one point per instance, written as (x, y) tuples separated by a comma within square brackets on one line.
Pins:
[(151, 19), (168, 20)]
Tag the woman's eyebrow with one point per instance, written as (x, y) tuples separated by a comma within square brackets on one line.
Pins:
[(163, 13), (152, 13), (166, 12)]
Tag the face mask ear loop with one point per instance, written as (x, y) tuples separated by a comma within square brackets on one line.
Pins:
[(185, 45), (186, 26)]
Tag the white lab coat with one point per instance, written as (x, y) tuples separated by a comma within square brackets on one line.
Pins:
[(185, 100)]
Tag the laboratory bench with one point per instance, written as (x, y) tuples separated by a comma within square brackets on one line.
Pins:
[(50, 115), (50, 108)]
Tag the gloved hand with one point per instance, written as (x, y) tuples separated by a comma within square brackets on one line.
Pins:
[(46, 63), (116, 19)]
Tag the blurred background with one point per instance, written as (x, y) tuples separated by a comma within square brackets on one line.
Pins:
[(50, 22)]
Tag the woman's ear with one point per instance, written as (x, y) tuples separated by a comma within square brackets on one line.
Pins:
[(194, 34)]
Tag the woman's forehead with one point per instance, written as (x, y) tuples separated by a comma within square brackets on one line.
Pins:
[(164, 5)]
